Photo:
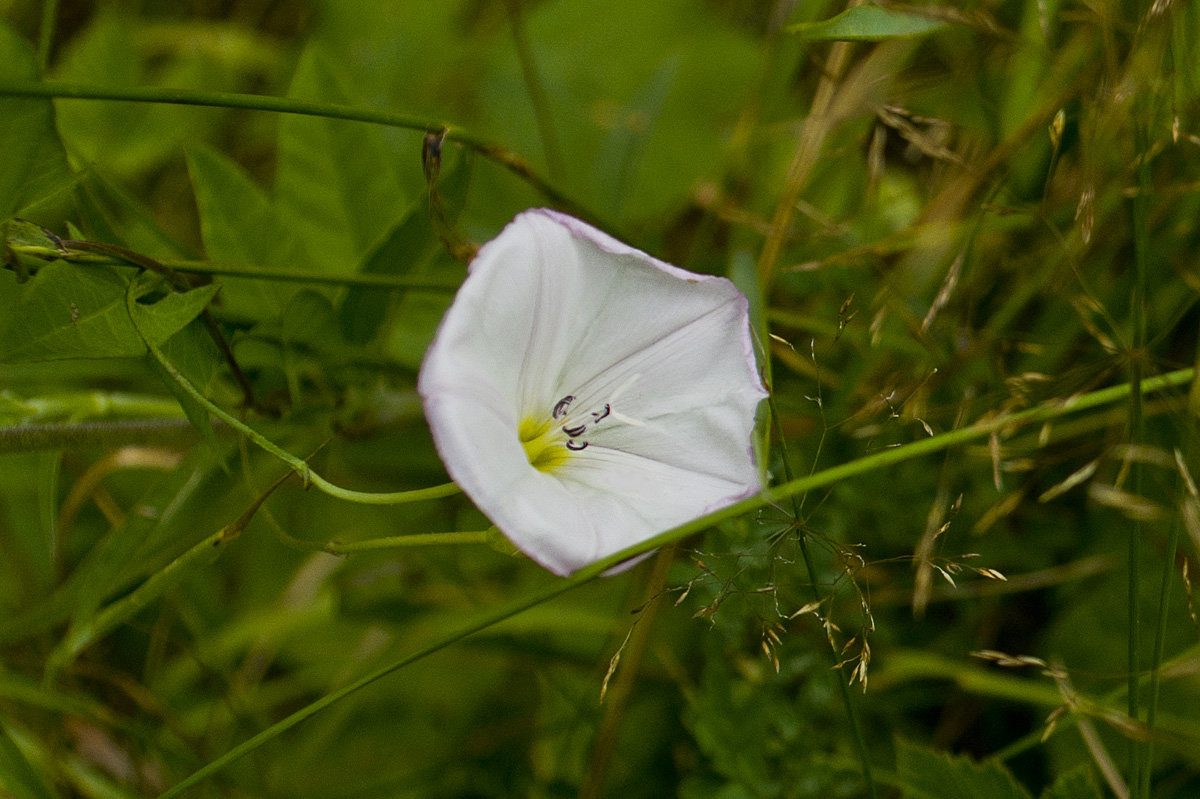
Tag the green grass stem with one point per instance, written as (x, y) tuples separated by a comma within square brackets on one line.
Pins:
[(1156, 656), (1139, 751), (856, 733), (772, 496)]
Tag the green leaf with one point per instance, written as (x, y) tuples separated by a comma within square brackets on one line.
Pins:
[(130, 140), (309, 324), (408, 243), (867, 24), (79, 312), (650, 90), (930, 774), (164, 318), (237, 221), (335, 180), (24, 235), (410, 246), (624, 149), (239, 225), (34, 164), (736, 729), (416, 319), (1078, 783), (106, 212), (70, 312)]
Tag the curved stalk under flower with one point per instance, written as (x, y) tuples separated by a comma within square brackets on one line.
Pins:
[(298, 465)]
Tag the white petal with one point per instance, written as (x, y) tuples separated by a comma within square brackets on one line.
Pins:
[(552, 308)]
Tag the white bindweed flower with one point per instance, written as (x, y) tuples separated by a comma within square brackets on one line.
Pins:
[(587, 396)]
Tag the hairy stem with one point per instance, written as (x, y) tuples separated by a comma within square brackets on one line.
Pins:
[(68, 435)]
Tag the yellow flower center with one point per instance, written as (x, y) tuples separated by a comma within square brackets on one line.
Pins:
[(544, 442), (549, 443)]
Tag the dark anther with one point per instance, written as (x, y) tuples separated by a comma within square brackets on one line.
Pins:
[(598, 415), (560, 408), (576, 445), (575, 432)]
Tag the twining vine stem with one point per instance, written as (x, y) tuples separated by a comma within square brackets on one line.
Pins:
[(298, 465), (286, 105), (771, 496)]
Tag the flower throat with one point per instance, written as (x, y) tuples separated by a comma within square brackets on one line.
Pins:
[(549, 443)]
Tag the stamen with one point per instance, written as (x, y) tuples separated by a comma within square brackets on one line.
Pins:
[(560, 407), (541, 440), (629, 420), (621, 389)]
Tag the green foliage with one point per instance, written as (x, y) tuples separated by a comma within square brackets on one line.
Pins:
[(408, 245), (239, 224), (35, 167), (133, 141), (867, 23), (1076, 784), (68, 312), (927, 774), (331, 174), (940, 216)]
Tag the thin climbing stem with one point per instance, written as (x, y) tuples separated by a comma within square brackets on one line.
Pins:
[(773, 496), (411, 540), (192, 267), (298, 465), (286, 105)]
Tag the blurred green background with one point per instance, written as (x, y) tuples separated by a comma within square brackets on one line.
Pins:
[(940, 213)]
